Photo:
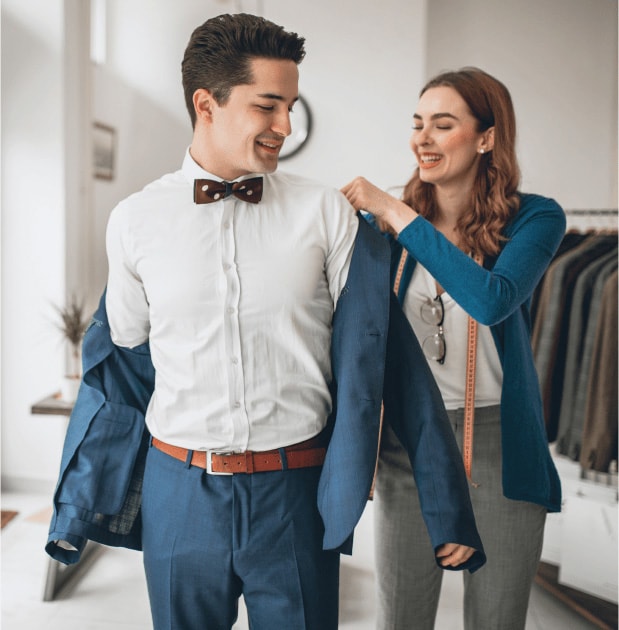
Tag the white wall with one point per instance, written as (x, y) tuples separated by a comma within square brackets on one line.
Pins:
[(364, 63), (558, 58), (33, 238)]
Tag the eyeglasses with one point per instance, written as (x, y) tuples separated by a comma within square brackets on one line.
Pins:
[(434, 346)]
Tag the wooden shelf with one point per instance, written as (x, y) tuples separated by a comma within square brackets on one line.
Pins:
[(52, 405)]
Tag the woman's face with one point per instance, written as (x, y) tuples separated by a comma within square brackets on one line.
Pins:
[(445, 139)]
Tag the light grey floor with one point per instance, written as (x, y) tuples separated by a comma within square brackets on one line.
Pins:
[(112, 594)]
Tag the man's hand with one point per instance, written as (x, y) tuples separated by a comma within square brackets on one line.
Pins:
[(452, 554)]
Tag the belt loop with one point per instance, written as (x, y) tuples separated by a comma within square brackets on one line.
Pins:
[(189, 458), (282, 456), (150, 441)]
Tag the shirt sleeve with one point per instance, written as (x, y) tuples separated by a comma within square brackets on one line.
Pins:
[(126, 302), (491, 295), (341, 225)]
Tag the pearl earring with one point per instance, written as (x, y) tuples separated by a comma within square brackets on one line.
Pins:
[(481, 151)]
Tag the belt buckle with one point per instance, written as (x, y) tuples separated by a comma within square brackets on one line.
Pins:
[(209, 462)]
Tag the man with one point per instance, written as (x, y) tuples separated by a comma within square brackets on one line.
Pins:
[(262, 428)]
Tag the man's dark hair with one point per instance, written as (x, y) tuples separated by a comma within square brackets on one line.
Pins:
[(219, 52)]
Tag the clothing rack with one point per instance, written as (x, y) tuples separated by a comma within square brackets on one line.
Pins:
[(604, 211), (600, 612), (592, 219)]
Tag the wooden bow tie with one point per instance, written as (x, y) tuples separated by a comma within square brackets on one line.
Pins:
[(208, 190)]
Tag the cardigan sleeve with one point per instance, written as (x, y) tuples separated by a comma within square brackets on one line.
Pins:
[(491, 295)]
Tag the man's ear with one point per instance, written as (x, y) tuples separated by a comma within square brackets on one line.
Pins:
[(203, 103)]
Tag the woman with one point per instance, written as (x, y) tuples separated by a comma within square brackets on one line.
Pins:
[(475, 247)]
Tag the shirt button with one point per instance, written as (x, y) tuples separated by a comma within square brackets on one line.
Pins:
[(234, 360), (230, 310), (237, 405), (227, 225), (227, 266)]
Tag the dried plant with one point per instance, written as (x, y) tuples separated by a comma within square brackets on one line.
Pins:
[(73, 323)]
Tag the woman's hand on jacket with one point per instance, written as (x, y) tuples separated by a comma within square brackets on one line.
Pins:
[(390, 213)]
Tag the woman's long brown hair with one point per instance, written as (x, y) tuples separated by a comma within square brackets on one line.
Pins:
[(494, 197)]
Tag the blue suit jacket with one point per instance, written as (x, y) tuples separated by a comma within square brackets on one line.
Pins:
[(375, 357)]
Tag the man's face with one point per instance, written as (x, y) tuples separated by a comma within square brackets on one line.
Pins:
[(246, 134)]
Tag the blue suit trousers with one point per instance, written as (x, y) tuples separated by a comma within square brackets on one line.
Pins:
[(208, 539)]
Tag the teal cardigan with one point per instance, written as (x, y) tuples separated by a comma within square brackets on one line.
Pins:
[(498, 295)]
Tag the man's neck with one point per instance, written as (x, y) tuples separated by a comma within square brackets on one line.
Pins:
[(201, 158)]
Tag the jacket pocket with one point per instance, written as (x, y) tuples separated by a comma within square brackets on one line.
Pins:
[(98, 476)]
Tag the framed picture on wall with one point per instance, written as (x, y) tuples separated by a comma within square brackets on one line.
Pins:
[(104, 149)]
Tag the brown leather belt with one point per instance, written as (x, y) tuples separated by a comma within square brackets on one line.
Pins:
[(302, 455)]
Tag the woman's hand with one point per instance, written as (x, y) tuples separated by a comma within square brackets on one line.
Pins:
[(391, 214), (452, 554)]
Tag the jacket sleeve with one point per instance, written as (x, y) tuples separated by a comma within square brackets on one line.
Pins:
[(99, 487), (415, 410)]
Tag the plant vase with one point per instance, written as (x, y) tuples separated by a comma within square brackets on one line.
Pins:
[(70, 383), (69, 387), (72, 323)]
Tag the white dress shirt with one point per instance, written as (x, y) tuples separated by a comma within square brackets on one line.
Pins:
[(236, 300), (451, 375)]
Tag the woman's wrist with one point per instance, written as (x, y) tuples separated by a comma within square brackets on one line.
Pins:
[(399, 215)]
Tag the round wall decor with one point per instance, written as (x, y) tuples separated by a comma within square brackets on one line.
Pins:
[(301, 122)]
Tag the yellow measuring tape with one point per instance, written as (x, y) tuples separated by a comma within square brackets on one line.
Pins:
[(469, 400), (469, 395)]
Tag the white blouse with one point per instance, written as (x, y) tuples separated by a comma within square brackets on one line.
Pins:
[(451, 375)]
